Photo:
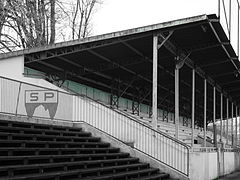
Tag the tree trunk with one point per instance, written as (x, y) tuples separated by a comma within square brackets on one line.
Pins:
[(52, 22)]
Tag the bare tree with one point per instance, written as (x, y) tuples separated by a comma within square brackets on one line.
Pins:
[(79, 14), (53, 22), (81, 18), (33, 23)]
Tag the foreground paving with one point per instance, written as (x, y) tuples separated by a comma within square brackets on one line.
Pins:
[(233, 176)]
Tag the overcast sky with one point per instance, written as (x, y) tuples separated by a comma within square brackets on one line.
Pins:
[(115, 15)]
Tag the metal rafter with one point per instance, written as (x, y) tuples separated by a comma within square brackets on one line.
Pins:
[(230, 82), (43, 55), (215, 63), (204, 47), (96, 82), (190, 63), (128, 85), (138, 75), (223, 74), (233, 90), (161, 67), (223, 47)]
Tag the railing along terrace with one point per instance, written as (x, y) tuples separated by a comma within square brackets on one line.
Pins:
[(20, 98)]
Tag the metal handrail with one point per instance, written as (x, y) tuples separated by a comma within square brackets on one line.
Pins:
[(169, 141), (133, 119)]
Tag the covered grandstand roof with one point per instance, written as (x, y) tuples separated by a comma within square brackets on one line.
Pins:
[(122, 61)]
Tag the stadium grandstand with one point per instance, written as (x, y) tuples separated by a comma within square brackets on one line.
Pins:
[(155, 102)]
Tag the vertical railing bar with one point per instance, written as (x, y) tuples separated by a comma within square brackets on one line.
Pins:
[(238, 29), (182, 159), (232, 135), (230, 18), (227, 121), (19, 90), (225, 13), (221, 118), (219, 9), (236, 124), (159, 147)]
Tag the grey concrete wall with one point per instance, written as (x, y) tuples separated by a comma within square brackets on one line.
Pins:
[(211, 165)]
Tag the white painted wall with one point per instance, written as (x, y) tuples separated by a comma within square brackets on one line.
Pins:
[(12, 67), (204, 165)]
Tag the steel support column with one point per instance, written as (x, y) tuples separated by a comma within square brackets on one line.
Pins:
[(214, 117), (232, 127), (114, 98), (135, 108), (236, 129), (224, 121), (221, 117), (205, 111), (155, 80), (227, 121), (176, 102), (193, 104)]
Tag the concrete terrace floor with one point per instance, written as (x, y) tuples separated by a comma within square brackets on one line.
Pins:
[(232, 176)]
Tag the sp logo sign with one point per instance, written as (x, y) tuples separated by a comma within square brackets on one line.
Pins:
[(46, 98)]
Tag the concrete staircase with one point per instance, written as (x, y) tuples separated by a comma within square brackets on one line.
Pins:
[(49, 152)]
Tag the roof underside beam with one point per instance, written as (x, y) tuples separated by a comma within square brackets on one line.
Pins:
[(182, 56), (214, 63), (44, 55), (147, 79), (101, 84)]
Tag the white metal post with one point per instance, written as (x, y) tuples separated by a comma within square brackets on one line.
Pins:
[(236, 128), (232, 127), (223, 121), (227, 122), (193, 104), (214, 116), (155, 80), (176, 102), (205, 111), (221, 116)]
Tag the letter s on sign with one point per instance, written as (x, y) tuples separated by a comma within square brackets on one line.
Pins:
[(34, 96)]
